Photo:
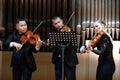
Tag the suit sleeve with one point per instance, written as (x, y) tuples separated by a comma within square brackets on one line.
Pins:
[(9, 40)]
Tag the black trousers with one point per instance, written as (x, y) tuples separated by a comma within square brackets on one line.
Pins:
[(19, 73), (69, 72)]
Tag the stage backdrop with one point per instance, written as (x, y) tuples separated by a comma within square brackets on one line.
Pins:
[(86, 12)]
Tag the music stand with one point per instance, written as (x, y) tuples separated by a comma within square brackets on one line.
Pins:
[(62, 39)]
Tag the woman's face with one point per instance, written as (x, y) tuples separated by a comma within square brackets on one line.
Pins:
[(97, 27)]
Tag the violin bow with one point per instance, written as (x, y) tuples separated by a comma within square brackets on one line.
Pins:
[(70, 18), (38, 26)]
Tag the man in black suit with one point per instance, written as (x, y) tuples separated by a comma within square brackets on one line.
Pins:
[(22, 63), (70, 57)]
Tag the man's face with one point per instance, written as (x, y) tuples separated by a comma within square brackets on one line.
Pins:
[(57, 23), (21, 27)]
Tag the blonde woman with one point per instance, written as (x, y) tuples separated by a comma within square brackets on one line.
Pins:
[(104, 48)]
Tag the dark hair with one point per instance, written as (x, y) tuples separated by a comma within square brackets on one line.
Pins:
[(55, 17), (18, 20)]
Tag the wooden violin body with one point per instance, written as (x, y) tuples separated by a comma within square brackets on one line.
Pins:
[(96, 39), (66, 29), (29, 37)]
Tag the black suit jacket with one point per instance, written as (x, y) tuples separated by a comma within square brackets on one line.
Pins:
[(24, 56)]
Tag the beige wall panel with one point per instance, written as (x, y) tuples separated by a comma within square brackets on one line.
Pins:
[(86, 69)]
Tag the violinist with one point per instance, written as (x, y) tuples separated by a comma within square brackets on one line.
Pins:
[(104, 48), (70, 57), (22, 63)]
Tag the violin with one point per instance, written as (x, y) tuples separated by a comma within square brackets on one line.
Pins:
[(95, 40), (66, 29), (31, 39)]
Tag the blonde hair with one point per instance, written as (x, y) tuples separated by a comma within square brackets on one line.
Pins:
[(103, 22)]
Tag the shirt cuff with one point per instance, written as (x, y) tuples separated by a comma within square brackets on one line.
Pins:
[(37, 48), (11, 44)]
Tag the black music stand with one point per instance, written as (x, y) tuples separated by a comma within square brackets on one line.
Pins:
[(63, 39)]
